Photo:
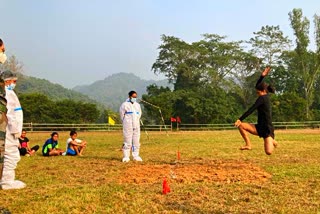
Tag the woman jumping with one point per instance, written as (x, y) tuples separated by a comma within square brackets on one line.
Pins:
[(264, 127)]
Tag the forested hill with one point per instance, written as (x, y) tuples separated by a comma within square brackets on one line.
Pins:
[(55, 92), (113, 90)]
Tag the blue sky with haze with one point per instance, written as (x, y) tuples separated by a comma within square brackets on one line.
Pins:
[(77, 42)]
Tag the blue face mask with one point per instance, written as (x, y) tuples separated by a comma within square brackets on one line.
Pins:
[(133, 99), (11, 86)]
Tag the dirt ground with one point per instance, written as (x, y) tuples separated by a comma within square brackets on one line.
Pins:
[(185, 172)]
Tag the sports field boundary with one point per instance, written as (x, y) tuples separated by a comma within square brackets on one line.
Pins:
[(168, 127)]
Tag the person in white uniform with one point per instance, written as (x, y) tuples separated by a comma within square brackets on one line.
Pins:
[(13, 132), (130, 114)]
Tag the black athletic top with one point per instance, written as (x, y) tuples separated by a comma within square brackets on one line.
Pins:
[(263, 106)]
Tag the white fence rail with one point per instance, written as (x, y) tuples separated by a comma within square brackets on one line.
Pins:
[(170, 127)]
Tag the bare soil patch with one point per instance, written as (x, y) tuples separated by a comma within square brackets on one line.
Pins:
[(188, 172)]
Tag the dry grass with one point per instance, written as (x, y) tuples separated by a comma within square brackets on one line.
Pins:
[(213, 176)]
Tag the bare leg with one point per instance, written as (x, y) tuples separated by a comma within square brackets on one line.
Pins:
[(76, 149), (269, 145), (245, 129), (82, 147), (54, 152)]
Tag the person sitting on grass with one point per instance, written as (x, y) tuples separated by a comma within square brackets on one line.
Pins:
[(24, 147), (75, 146), (51, 146)]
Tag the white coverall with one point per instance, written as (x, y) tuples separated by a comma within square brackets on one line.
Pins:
[(130, 114), (13, 131)]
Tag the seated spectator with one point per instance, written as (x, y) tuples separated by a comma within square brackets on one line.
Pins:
[(51, 146), (24, 147), (75, 146)]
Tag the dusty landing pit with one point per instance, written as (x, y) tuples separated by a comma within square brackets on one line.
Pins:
[(187, 172)]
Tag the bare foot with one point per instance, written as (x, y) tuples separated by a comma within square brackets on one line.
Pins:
[(245, 148)]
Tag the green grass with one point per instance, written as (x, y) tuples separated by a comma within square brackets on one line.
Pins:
[(95, 183)]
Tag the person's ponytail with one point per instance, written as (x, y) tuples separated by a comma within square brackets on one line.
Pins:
[(271, 89)]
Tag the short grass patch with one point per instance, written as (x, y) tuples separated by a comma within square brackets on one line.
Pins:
[(212, 175)]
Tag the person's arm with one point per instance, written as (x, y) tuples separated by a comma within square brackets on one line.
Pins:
[(28, 147), (50, 147), (140, 112), (56, 148), (264, 73), (3, 109), (27, 143), (14, 119), (74, 142), (122, 112), (81, 143), (249, 111)]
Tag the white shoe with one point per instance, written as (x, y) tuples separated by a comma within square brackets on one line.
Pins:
[(13, 185), (138, 158), (125, 160)]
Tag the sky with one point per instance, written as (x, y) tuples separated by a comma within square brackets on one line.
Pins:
[(77, 42)]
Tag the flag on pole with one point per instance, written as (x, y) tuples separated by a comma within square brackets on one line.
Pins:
[(173, 119), (111, 121), (178, 119)]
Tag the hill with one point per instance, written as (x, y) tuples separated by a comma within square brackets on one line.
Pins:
[(113, 90), (28, 85)]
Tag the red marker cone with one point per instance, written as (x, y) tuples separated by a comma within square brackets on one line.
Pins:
[(178, 155), (165, 186)]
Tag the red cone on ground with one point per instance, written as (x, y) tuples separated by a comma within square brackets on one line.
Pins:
[(178, 155), (165, 186)]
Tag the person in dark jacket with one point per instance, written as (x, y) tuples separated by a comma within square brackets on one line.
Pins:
[(264, 127)]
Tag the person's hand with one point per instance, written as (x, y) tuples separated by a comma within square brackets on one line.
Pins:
[(16, 135), (266, 71), (237, 123)]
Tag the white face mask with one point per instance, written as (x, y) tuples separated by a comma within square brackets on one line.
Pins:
[(3, 57), (11, 86)]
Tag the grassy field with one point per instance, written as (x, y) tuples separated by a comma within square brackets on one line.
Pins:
[(212, 176)]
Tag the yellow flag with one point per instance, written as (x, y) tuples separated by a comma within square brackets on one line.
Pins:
[(111, 121)]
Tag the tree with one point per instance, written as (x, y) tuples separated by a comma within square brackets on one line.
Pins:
[(157, 98), (269, 44), (13, 65), (199, 72), (288, 107), (38, 108), (305, 62), (198, 64), (243, 80)]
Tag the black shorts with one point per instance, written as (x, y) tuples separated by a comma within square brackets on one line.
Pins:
[(264, 131), (23, 151)]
